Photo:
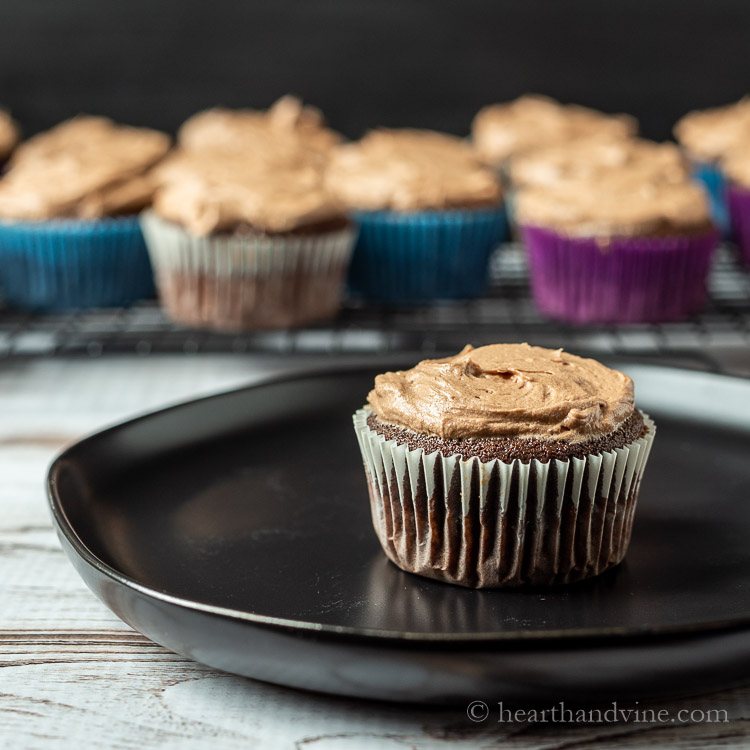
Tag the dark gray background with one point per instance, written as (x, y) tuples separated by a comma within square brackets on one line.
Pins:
[(368, 62)]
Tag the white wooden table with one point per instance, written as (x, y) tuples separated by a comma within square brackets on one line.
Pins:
[(72, 675)]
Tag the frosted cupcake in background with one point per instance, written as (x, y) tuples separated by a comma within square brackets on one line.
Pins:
[(707, 137), (69, 232), (621, 248), (244, 241), (429, 216), (10, 134), (507, 465), (589, 159), (502, 131), (736, 166)]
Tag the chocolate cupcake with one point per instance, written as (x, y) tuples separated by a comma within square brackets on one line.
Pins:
[(507, 465), (502, 131), (707, 137), (69, 232), (429, 215), (244, 242), (625, 247)]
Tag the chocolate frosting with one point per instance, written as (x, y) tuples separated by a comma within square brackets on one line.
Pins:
[(711, 133), (623, 203), (9, 134), (87, 167), (500, 131), (280, 132), (213, 192), (506, 390), (589, 158), (410, 170)]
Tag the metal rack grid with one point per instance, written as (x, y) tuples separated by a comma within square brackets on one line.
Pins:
[(506, 313)]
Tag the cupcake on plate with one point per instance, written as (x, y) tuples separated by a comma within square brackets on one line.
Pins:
[(736, 166), (69, 232), (622, 248), (243, 241), (502, 131), (429, 214), (10, 134), (286, 127), (506, 465), (590, 158), (709, 135)]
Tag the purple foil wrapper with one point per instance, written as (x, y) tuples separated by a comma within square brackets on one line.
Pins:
[(739, 215), (626, 280)]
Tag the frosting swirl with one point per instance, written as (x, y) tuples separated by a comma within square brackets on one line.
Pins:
[(214, 192), (9, 134), (506, 390), (589, 158), (410, 170), (500, 131), (711, 133), (86, 168), (618, 204)]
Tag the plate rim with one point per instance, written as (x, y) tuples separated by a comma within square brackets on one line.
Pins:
[(514, 638)]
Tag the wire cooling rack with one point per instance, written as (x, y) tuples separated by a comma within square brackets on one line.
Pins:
[(717, 339)]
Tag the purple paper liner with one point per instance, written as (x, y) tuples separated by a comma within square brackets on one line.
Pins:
[(739, 214), (626, 280)]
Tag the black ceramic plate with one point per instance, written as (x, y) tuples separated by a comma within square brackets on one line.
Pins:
[(235, 530)]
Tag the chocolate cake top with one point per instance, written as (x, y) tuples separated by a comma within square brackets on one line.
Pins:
[(506, 390)]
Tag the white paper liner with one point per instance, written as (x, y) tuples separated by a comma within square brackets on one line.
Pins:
[(489, 524), (249, 281)]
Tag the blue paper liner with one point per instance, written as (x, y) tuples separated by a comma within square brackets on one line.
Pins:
[(420, 257), (716, 186), (66, 264)]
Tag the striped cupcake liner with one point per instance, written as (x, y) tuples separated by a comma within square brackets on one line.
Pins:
[(495, 524), (628, 280), (240, 282), (65, 264), (421, 257)]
